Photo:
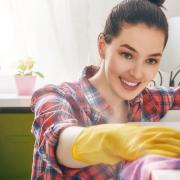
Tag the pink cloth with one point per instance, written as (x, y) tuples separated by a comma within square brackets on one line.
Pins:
[(141, 169)]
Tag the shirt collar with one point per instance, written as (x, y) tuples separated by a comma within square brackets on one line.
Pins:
[(92, 95), (137, 100)]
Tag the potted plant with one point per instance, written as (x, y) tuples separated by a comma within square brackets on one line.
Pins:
[(26, 76)]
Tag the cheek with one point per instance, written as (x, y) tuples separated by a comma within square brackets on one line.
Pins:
[(151, 74), (117, 66), (111, 66)]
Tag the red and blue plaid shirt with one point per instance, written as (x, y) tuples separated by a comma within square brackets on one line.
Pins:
[(80, 104)]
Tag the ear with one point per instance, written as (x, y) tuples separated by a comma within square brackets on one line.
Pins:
[(101, 46)]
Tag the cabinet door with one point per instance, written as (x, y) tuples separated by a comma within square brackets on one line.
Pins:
[(16, 146)]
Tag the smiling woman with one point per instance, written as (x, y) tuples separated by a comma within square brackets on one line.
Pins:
[(85, 133), (135, 64), (80, 127)]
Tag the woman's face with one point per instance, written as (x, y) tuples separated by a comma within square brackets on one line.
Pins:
[(132, 59)]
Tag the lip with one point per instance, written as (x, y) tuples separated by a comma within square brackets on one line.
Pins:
[(129, 88)]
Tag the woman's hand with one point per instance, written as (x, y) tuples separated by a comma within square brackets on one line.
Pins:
[(111, 143)]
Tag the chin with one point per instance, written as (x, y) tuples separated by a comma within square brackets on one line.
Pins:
[(127, 96)]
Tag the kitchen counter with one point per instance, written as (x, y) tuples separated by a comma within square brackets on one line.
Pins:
[(13, 100)]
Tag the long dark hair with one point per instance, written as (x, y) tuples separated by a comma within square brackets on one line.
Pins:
[(148, 12)]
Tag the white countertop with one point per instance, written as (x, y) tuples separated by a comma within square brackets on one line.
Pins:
[(166, 174), (13, 100)]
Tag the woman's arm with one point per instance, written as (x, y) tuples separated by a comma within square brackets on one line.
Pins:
[(112, 143), (63, 151)]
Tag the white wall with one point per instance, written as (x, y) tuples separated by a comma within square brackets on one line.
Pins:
[(171, 55), (173, 8)]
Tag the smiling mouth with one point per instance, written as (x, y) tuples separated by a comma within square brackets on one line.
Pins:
[(129, 85)]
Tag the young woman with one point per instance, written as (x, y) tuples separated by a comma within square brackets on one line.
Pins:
[(81, 128)]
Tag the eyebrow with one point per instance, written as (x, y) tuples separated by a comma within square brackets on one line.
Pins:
[(134, 50)]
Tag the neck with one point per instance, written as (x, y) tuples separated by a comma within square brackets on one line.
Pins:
[(101, 84)]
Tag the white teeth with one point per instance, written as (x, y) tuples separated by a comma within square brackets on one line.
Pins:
[(129, 83)]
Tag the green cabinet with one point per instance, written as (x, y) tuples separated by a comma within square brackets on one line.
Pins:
[(16, 146)]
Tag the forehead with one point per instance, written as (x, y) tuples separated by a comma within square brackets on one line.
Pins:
[(141, 37)]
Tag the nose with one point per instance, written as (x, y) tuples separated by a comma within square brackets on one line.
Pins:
[(137, 71)]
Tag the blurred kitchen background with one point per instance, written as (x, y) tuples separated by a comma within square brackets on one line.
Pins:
[(61, 36)]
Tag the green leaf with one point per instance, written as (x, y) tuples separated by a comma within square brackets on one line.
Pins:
[(30, 67), (39, 74), (22, 67)]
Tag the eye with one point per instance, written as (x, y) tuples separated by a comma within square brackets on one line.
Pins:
[(126, 55), (152, 61)]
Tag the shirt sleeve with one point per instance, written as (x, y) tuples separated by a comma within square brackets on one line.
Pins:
[(53, 113), (175, 93), (159, 100)]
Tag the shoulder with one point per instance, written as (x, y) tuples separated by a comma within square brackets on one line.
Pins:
[(65, 92), (63, 89), (72, 89), (161, 96), (160, 91), (156, 101)]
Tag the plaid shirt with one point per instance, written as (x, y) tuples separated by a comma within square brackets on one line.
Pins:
[(80, 104)]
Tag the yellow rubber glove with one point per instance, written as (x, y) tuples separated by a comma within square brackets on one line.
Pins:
[(111, 143)]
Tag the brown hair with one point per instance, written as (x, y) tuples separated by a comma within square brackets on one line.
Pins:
[(148, 12)]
